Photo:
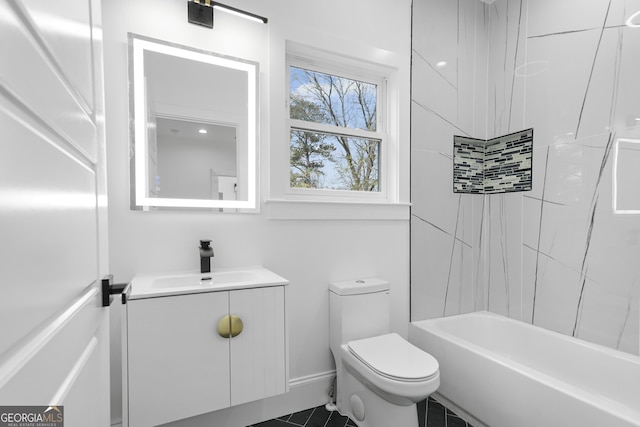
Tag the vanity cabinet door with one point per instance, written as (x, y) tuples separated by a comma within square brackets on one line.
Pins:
[(258, 354), (178, 364)]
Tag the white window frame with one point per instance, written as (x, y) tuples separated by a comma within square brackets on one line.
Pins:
[(363, 71)]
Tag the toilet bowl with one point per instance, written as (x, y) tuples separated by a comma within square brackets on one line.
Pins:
[(380, 376)]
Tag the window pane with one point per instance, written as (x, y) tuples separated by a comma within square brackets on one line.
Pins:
[(334, 162), (323, 98)]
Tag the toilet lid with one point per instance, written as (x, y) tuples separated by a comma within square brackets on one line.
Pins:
[(391, 356)]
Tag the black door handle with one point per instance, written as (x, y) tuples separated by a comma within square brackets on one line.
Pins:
[(109, 289)]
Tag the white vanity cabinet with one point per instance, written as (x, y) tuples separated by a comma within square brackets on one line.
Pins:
[(180, 366)]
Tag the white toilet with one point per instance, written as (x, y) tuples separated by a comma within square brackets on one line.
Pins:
[(380, 376)]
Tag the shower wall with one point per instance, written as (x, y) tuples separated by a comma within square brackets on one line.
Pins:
[(564, 256), (449, 89)]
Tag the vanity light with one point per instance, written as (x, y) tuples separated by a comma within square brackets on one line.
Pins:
[(202, 131), (630, 22), (201, 13), (238, 12)]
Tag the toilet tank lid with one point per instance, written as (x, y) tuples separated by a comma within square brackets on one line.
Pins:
[(359, 286)]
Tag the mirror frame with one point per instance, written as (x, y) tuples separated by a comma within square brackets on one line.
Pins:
[(138, 125)]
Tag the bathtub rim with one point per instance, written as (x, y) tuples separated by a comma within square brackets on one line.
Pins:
[(618, 354), (606, 404)]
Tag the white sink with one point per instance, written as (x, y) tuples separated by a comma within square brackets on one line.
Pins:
[(205, 279), (219, 280)]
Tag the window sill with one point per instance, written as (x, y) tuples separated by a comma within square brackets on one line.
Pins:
[(324, 210)]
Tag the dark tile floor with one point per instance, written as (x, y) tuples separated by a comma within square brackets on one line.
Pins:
[(430, 414), (437, 415), (314, 417)]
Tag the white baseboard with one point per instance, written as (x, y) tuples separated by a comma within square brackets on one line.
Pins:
[(311, 379), (304, 393)]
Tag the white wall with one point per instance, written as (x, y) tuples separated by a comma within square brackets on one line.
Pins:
[(310, 253)]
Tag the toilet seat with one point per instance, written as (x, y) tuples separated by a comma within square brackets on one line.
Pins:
[(392, 357)]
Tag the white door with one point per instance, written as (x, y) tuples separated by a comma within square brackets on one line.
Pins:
[(54, 346)]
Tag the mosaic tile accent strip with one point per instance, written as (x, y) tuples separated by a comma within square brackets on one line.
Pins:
[(468, 165), (498, 165), (508, 163)]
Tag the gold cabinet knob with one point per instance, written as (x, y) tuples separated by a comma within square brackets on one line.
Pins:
[(230, 326), (236, 325), (224, 327)]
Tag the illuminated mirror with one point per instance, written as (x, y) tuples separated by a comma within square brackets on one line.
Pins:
[(194, 128)]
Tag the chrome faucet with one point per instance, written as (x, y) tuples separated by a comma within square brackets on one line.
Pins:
[(206, 252)]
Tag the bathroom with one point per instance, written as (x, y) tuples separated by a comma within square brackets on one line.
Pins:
[(565, 69)]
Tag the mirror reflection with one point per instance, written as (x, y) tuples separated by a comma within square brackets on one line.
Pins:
[(193, 160), (194, 127)]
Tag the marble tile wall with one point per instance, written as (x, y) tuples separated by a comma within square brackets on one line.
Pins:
[(562, 256), (449, 80)]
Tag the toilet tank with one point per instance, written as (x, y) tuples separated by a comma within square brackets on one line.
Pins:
[(358, 309)]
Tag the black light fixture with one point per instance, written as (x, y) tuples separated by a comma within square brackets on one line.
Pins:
[(201, 12)]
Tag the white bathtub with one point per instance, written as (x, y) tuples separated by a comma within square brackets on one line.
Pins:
[(501, 372)]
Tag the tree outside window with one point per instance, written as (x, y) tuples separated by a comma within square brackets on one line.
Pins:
[(334, 142)]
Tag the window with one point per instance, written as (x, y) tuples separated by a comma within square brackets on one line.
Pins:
[(337, 139), (340, 143)]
